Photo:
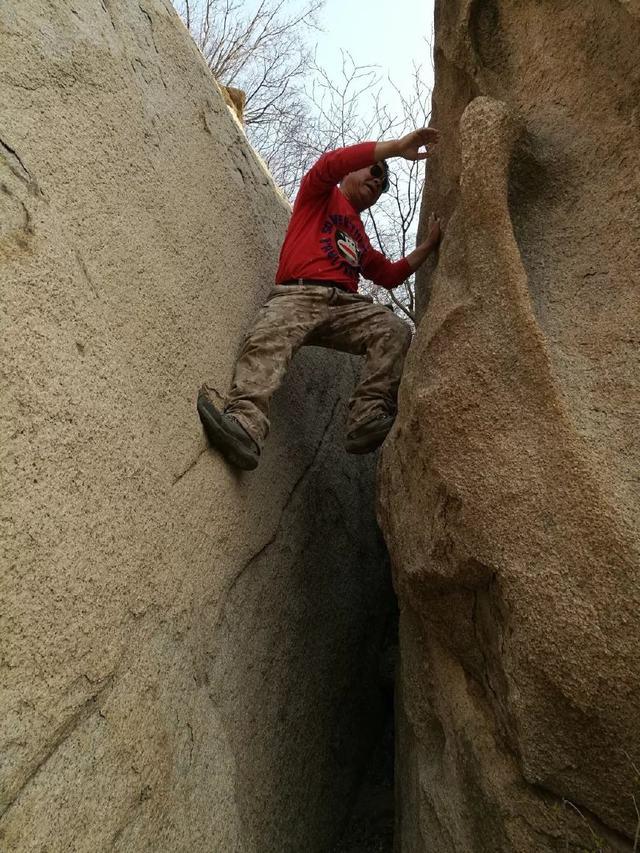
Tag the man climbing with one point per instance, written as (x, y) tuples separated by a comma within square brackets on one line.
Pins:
[(316, 302)]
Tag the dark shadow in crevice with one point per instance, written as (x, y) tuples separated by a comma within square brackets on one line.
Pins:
[(370, 825)]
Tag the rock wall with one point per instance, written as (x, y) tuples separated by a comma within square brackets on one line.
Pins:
[(188, 655), (509, 491)]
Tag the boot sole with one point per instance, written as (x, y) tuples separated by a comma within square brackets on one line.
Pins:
[(367, 443), (227, 444)]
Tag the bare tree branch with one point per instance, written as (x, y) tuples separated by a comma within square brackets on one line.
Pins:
[(295, 110)]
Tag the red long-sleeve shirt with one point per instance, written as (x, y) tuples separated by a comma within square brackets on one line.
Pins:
[(326, 239)]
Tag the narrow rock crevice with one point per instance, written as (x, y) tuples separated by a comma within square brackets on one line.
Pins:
[(15, 162), (106, 5), (149, 18), (288, 500), (369, 826), (90, 706)]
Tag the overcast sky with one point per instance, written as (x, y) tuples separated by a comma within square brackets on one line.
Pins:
[(378, 32)]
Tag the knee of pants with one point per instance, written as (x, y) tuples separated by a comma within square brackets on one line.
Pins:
[(402, 334)]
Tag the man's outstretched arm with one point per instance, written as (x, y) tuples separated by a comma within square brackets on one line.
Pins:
[(334, 165), (385, 273), (409, 146), (420, 254)]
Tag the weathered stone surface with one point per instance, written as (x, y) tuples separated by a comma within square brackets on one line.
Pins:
[(235, 99), (509, 490), (188, 654)]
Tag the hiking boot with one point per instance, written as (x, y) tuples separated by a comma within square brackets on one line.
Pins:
[(227, 435), (369, 436)]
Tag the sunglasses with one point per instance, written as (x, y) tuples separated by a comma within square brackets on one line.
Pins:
[(377, 171)]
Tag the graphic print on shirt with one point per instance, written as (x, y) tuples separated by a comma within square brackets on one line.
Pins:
[(348, 248), (342, 242)]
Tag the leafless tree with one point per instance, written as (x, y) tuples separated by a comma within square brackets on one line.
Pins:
[(295, 109), (264, 50), (351, 108)]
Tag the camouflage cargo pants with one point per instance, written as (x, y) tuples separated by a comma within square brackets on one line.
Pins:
[(297, 315)]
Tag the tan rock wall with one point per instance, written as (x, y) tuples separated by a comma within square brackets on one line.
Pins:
[(188, 654), (235, 99), (509, 491)]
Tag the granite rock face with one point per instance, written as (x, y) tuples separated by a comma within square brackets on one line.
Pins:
[(510, 488), (188, 655)]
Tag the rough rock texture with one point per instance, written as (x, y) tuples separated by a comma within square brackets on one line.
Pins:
[(187, 654), (236, 99), (509, 490)]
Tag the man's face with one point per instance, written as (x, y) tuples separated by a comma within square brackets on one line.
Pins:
[(362, 188)]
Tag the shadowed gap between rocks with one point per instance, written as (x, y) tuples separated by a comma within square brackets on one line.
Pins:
[(370, 824), (281, 678)]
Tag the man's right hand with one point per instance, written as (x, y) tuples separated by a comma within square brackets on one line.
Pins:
[(409, 146)]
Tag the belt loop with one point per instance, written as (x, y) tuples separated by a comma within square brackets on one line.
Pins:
[(300, 281)]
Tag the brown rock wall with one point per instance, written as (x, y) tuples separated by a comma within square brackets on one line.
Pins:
[(509, 489)]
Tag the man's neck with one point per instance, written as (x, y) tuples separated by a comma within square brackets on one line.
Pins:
[(350, 200)]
